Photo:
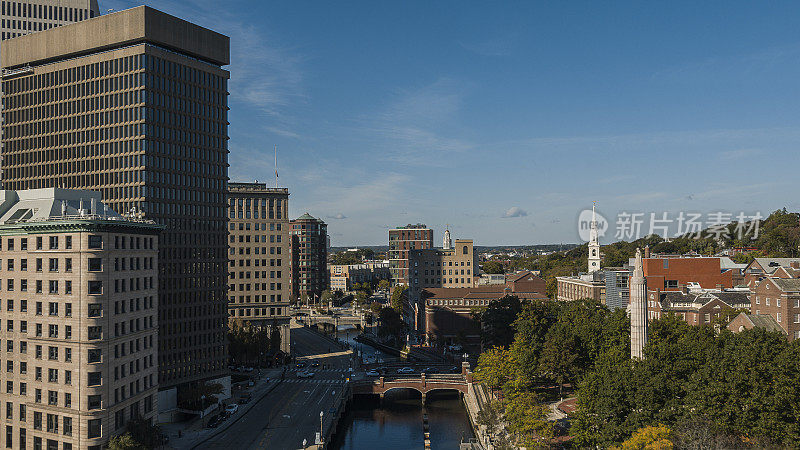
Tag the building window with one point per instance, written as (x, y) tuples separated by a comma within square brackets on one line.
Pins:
[(94, 428), (95, 288), (95, 242)]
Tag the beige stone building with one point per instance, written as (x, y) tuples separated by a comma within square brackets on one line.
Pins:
[(79, 294), (133, 105), (455, 267), (20, 17), (344, 276), (591, 285), (259, 266)]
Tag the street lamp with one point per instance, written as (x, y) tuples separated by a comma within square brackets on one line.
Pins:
[(321, 436)]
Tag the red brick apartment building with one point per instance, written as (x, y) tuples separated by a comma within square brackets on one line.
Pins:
[(448, 311), (779, 298), (401, 240), (674, 273), (695, 308)]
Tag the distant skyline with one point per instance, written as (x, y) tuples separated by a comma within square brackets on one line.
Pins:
[(506, 121)]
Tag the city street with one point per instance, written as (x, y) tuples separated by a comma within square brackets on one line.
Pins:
[(290, 413)]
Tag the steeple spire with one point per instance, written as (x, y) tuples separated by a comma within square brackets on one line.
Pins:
[(594, 244), (447, 243)]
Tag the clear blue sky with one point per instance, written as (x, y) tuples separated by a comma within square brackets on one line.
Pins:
[(505, 119)]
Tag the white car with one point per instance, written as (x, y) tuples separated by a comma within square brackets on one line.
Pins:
[(232, 408), (405, 370), (305, 374), (373, 373)]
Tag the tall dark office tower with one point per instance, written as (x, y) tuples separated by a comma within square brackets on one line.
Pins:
[(134, 105)]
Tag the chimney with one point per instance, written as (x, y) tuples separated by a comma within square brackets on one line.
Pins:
[(795, 265), (63, 208), (93, 206), (647, 251)]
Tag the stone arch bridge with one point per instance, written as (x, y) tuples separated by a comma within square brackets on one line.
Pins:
[(421, 383)]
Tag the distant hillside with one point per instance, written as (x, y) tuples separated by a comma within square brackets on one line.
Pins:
[(778, 236)]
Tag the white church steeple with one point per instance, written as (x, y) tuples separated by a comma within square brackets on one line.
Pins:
[(594, 245)]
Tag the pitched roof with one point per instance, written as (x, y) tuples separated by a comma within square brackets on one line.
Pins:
[(770, 264), (306, 216), (765, 321), (787, 284)]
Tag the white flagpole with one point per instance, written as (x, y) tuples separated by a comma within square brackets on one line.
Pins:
[(276, 165)]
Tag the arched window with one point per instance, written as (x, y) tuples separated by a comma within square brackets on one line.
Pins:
[(466, 250)]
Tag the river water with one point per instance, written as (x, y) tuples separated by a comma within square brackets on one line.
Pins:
[(396, 424)]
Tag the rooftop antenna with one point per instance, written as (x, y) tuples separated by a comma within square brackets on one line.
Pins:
[(276, 165)]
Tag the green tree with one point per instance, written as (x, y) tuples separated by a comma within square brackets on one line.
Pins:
[(649, 438), (361, 298), (531, 327), (527, 419), (383, 285), (398, 298), (391, 324), (495, 368), (496, 320), (124, 442), (143, 432), (492, 267)]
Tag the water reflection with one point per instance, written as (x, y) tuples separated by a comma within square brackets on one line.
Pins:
[(397, 423)]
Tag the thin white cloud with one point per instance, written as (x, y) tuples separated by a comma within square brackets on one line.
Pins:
[(514, 211), (740, 153), (498, 46), (338, 216), (412, 128)]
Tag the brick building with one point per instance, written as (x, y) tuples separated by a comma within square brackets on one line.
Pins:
[(447, 312), (695, 308), (673, 273), (779, 298), (401, 241), (309, 252)]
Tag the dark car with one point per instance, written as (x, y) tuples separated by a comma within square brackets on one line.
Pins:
[(314, 364), (430, 370), (215, 421), (301, 365)]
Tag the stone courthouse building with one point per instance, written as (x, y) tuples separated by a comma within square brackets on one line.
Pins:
[(79, 295)]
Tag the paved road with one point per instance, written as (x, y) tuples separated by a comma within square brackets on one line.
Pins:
[(290, 413)]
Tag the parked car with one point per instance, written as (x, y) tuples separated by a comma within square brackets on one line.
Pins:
[(373, 373), (405, 370), (215, 421), (232, 408)]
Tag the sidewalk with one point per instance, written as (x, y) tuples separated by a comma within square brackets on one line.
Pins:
[(193, 433)]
